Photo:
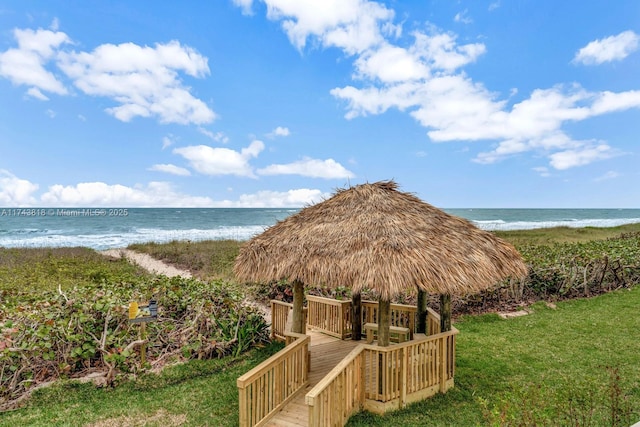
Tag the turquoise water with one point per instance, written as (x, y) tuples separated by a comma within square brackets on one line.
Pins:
[(116, 228)]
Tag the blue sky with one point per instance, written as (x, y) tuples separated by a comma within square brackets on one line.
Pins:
[(241, 103)]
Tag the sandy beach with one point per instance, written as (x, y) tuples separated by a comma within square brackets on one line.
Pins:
[(147, 262)]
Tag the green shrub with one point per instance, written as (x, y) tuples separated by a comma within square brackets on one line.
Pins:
[(86, 328)]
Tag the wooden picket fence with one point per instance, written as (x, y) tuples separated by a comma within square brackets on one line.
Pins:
[(268, 387), (380, 379)]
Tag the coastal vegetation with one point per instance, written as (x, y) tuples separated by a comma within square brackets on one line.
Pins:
[(571, 361), (64, 314)]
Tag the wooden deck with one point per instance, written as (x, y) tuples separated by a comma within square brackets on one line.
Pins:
[(326, 353)]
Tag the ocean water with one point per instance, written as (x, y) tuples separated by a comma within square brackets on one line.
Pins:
[(116, 228)]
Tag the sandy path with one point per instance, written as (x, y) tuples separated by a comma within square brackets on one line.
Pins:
[(147, 262), (156, 266)]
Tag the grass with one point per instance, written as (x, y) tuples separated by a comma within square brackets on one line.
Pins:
[(532, 364), (207, 260), (40, 269), (546, 236), (509, 371), (548, 368), (193, 394)]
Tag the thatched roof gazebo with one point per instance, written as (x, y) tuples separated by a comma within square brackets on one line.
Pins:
[(373, 236)]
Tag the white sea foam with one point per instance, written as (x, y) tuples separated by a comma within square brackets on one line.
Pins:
[(123, 239), (500, 225), (163, 225)]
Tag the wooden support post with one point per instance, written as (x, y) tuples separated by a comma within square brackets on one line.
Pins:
[(384, 322), (445, 312), (298, 317), (404, 360), (356, 317), (422, 312), (442, 364), (143, 347)]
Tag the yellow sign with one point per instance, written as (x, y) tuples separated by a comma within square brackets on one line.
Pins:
[(139, 313)]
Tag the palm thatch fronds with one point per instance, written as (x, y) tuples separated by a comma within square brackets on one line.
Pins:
[(374, 236)]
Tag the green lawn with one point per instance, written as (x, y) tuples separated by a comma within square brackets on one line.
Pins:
[(539, 366), (537, 369), (198, 393)]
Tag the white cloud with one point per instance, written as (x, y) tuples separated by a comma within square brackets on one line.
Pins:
[(100, 194), (609, 102), (352, 25), (168, 141), (454, 108), (543, 171), (161, 194), (463, 17), (390, 64), (169, 168), (26, 64), (221, 161), (425, 80), (16, 192), (581, 156), (35, 92), (441, 51), (50, 113), (215, 136), (276, 199), (143, 80), (608, 49), (279, 131), (607, 176), (327, 169), (430, 55), (245, 5)]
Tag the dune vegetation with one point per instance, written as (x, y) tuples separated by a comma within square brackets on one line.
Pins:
[(573, 360)]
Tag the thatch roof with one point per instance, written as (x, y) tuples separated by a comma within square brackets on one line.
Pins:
[(374, 236)]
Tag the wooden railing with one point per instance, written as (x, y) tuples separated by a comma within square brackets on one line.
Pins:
[(280, 319), (339, 394), (333, 317), (330, 316), (271, 385), (433, 322), (374, 378), (380, 379), (401, 315)]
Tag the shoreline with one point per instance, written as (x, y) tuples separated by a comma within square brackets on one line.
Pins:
[(142, 226), (117, 239), (100, 246)]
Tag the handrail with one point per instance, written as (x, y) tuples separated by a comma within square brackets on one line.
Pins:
[(280, 319), (340, 394), (279, 315), (331, 316), (402, 373), (402, 315), (382, 378), (374, 378), (273, 383)]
